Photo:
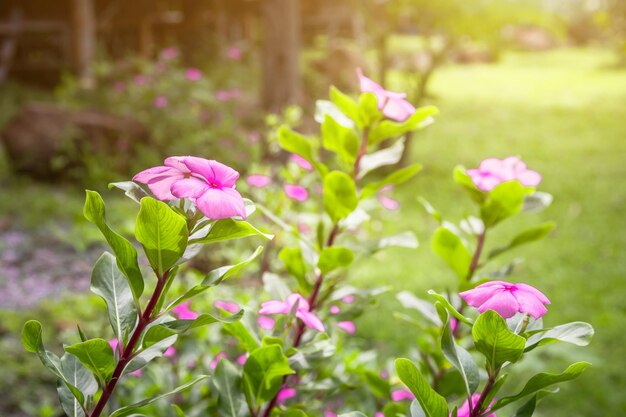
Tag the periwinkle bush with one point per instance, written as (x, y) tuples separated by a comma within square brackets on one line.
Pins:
[(289, 350)]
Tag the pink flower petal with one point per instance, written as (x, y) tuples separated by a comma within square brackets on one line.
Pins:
[(258, 181), (184, 312), (227, 306), (464, 410), (274, 307), (284, 394), (241, 360), (160, 180), (214, 172), (502, 303), (529, 303), (170, 352), (347, 326), (265, 322), (296, 192), (335, 309), (193, 74), (401, 395), (301, 162), (310, 320), (189, 188), (221, 204)]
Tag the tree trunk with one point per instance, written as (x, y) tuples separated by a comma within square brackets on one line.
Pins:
[(281, 47), (84, 38)]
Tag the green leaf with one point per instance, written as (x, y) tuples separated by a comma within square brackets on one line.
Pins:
[(339, 139), (368, 109), (433, 404), (155, 350), (387, 156), (125, 252), (162, 232), (345, 103), (96, 355), (460, 359), (240, 330), (578, 333), (462, 177), (33, 342), (380, 387), (292, 258), (340, 198), (325, 107), (108, 282), (78, 377), (296, 143), (449, 308), (527, 236), (229, 229), (334, 257), (229, 383), (493, 339), (390, 129), (527, 409), (542, 381), (215, 277), (505, 200), (431, 210), (408, 300), (396, 178), (131, 189), (449, 247), (264, 371), (131, 409)]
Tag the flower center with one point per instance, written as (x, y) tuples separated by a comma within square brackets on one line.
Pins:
[(214, 184), (510, 288)]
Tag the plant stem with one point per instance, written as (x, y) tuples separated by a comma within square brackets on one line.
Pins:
[(145, 318), (476, 412), (476, 258), (319, 280)]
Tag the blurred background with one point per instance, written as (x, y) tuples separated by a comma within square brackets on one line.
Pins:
[(92, 91)]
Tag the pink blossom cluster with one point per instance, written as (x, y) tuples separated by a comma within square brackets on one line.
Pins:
[(208, 183), (492, 172), (303, 310)]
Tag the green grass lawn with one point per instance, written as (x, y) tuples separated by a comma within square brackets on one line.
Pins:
[(564, 113)]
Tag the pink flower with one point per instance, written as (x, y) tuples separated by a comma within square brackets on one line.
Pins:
[(193, 74), (227, 305), (329, 413), (386, 201), (216, 360), (379, 414), (507, 299), (265, 322), (160, 102), (348, 299), (114, 343), (169, 54), (384, 374), (184, 312), (210, 184), (241, 360), (138, 373), (304, 228), (334, 309), (258, 180), (284, 394), (301, 162), (402, 394), (170, 352), (464, 411), (303, 310), (493, 171), (393, 105), (234, 53), (296, 192), (347, 326), (141, 79)]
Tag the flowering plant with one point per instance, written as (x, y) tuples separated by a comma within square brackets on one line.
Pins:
[(510, 323), (207, 209)]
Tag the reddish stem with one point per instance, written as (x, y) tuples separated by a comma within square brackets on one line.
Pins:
[(476, 258), (128, 350)]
